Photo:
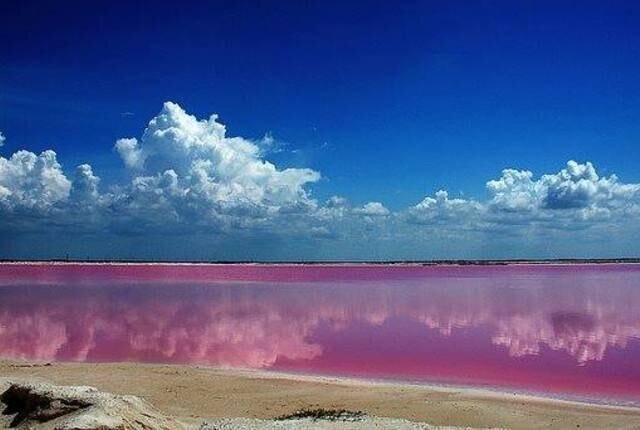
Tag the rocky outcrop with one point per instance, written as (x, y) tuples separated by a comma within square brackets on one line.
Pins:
[(35, 405)]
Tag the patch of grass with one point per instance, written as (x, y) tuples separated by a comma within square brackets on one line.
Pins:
[(324, 414)]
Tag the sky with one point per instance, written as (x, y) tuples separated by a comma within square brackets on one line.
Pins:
[(344, 130)]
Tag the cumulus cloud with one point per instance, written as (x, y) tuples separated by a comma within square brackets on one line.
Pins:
[(2, 139), (441, 208), (188, 176), (514, 191), (32, 181), (373, 209), (85, 184), (130, 153), (577, 186), (205, 167)]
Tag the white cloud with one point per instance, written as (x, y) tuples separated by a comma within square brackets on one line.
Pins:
[(577, 187), (130, 153), (515, 191), (223, 174), (441, 208), (522, 207), (2, 139), (85, 184), (373, 209), (32, 181)]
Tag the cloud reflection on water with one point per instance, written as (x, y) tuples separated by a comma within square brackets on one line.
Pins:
[(258, 324)]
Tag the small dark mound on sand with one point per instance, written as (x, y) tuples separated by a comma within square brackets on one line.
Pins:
[(324, 414)]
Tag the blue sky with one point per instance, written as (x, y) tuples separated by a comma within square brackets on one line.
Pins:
[(388, 103)]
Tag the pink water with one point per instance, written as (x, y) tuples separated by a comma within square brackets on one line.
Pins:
[(559, 330)]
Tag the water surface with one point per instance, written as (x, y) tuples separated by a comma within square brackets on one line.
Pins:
[(560, 330)]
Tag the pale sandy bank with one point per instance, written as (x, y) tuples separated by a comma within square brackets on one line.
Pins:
[(196, 393)]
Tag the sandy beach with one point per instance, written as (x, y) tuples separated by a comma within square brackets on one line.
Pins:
[(196, 393)]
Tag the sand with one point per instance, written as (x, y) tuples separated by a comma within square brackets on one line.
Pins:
[(196, 393)]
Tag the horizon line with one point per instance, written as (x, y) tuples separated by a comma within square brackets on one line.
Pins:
[(479, 262)]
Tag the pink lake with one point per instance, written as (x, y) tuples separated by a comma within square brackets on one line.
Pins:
[(566, 331)]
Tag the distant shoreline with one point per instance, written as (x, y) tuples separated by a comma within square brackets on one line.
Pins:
[(338, 262)]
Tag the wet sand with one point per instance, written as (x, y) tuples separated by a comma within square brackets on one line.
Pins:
[(191, 392)]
